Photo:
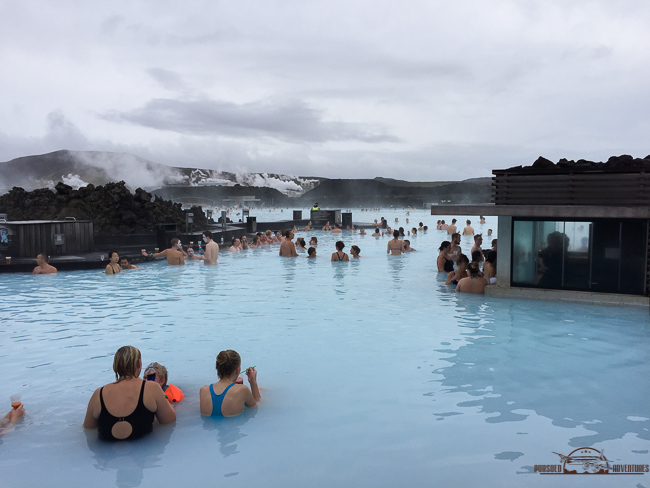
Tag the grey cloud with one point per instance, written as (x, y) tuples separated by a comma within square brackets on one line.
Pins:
[(168, 79), (289, 120)]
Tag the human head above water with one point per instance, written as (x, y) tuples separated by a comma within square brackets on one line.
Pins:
[(340, 245), (161, 372), (395, 233), (126, 363), (207, 235), (444, 245), (227, 363)]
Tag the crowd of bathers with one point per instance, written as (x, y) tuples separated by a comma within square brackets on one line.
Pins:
[(469, 273)]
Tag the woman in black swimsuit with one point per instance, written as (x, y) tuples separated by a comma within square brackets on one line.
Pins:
[(339, 255), (126, 409), (445, 264)]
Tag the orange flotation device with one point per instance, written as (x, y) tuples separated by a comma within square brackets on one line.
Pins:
[(174, 394)]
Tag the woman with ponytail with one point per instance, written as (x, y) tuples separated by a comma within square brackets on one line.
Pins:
[(227, 397)]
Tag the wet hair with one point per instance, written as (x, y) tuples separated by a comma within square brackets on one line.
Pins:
[(46, 258), (477, 237), (174, 241), (442, 221), (444, 245), (125, 362), (256, 239), (469, 222), (161, 371), (356, 249), (227, 363), (233, 240), (420, 224), (124, 258), (311, 250), (461, 258), (476, 256), (315, 239), (494, 241), (401, 231), (491, 257), (473, 269), (207, 233), (110, 254), (453, 221), (414, 230), (406, 241), (455, 235), (395, 233), (301, 241), (377, 229), (340, 245), (426, 227)]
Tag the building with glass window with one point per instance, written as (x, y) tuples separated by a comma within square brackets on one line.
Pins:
[(575, 232)]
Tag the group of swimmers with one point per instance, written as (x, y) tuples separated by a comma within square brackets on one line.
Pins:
[(126, 408), (467, 276)]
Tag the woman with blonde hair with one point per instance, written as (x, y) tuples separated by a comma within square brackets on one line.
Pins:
[(227, 397), (126, 409)]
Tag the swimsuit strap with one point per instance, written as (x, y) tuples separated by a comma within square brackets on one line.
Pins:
[(141, 398), (101, 398)]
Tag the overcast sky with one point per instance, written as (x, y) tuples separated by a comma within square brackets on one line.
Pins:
[(415, 90)]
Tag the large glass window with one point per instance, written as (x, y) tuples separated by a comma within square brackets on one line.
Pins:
[(604, 255)]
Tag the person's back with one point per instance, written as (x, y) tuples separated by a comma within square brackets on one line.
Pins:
[(288, 248), (211, 253), (474, 283), (126, 409), (226, 398)]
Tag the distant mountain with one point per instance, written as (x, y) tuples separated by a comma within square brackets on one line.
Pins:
[(382, 192), (79, 168)]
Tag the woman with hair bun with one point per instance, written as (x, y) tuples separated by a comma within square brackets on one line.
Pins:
[(227, 397), (126, 409)]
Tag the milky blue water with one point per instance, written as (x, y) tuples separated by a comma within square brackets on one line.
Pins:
[(374, 373)]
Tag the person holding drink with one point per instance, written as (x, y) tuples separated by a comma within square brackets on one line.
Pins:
[(17, 411)]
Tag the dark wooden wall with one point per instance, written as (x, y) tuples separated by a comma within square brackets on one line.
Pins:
[(605, 187), (30, 239)]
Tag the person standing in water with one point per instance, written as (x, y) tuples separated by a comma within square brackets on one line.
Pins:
[(43, 265), (395, 245), (226, 398), (113, 267), (211, 249), (288, 248)]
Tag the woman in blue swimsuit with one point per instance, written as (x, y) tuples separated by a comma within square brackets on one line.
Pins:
[(227, 397)]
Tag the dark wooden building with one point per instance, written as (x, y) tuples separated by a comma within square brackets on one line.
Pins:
[(582, 228), (55, 238)]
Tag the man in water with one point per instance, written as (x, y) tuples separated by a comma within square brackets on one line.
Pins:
[(336, 229), (236, 245), (211, 249), (191, 255), (174, 256), (451, 229), (454, 250), (43, 265), (288, 248), (478, 240), (468, 230), (124, 262)]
